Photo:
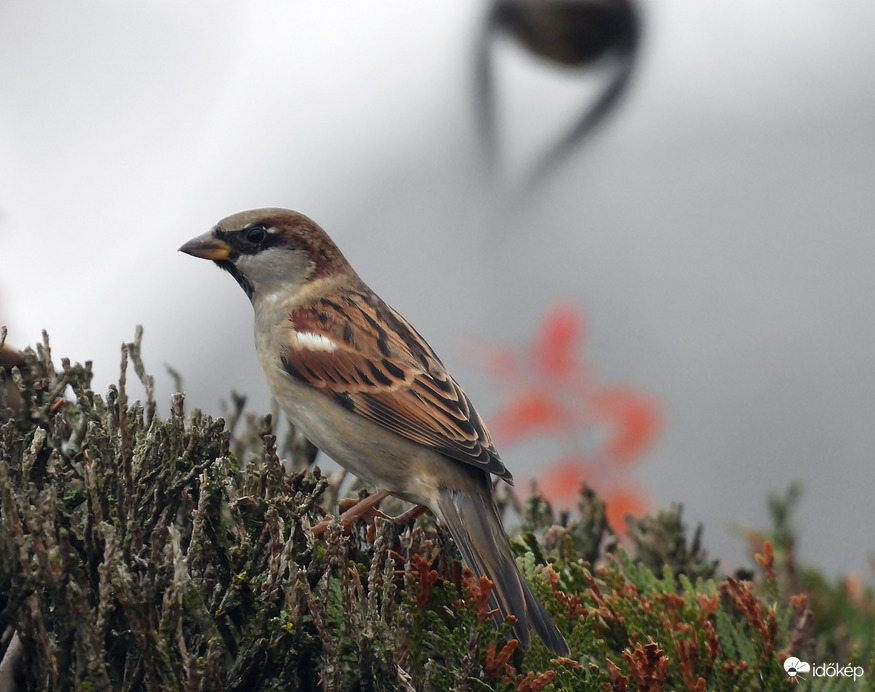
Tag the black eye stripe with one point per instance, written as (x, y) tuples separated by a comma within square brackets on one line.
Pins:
[(249, 240)]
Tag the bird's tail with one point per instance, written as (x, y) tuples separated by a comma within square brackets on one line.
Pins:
[(476, 527)]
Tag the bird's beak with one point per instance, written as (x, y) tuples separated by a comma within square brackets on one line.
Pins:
[(207, 246)]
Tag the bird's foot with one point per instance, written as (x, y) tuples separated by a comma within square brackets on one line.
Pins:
[(366, 509)]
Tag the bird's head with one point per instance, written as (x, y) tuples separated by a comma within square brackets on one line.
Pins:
[(269, 251)]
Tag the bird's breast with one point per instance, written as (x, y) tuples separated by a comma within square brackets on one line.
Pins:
[(375, 454)]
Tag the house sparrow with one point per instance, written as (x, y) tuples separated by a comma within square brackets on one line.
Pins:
[(359, 382)]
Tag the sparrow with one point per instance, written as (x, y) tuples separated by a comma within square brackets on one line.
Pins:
[(363, 386)]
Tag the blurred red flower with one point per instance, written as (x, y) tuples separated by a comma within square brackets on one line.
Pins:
[(602, 430)]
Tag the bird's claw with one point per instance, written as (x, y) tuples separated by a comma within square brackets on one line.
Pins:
[(366, 509)]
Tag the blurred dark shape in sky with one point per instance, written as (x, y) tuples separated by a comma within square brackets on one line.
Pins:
[(578, 34)]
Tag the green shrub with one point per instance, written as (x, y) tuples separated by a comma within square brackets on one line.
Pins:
[(147, 553)]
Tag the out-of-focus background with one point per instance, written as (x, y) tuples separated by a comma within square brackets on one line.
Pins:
[(716, 233)]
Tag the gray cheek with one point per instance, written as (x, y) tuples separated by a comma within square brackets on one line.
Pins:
[(274, 269)]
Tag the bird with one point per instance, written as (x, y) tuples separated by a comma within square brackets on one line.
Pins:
[(573, 35), (357, 380)]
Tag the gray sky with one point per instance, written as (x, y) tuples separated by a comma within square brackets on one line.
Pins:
[(718, 235)]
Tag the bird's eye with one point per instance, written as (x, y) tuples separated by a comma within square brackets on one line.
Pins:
[(255, 235)]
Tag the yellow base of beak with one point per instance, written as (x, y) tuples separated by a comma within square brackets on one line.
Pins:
[(207, 246)]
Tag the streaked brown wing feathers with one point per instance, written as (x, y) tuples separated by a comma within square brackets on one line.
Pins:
[(388, 375)]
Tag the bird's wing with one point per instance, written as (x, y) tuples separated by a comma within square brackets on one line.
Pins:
[(359, 351)]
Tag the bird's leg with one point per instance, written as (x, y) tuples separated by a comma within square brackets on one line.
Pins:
[(358, 509), (366, 508), (402, 519), (410, 515)]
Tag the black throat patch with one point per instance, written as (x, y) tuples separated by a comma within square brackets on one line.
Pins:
[(245, 284)]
